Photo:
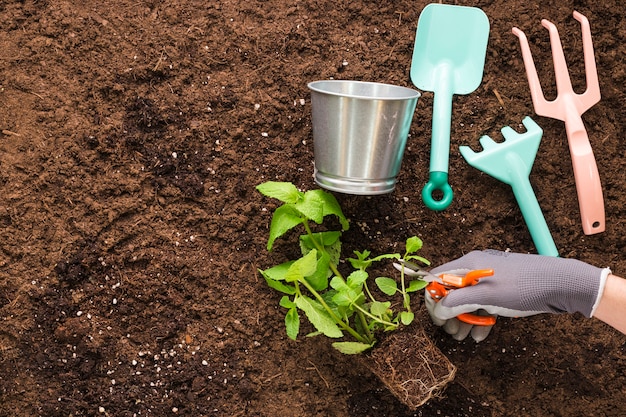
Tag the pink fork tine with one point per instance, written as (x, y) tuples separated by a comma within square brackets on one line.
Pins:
[(540, 104), (556, 108), (592, 95), (569, 106)]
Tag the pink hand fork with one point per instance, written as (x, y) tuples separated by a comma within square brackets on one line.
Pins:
[(569, 106)]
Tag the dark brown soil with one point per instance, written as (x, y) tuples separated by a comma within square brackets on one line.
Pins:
[(133, 135)]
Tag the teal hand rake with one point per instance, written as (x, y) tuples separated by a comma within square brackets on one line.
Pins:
[(511, 162)]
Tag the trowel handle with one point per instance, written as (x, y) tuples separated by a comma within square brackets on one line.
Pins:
[(588, 185), (439, 151), (530, 208), (437, 181)]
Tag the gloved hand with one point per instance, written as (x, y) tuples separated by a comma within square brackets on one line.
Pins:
[(522, 285)]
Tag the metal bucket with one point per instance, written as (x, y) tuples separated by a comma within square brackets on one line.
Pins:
[(359, 134)]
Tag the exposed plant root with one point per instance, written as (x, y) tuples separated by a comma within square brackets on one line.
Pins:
[(411, 366)]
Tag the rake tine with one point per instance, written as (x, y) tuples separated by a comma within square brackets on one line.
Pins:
[(487, 143), (509, 133), (532, 128)]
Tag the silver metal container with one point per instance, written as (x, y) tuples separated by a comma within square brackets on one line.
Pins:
[(360, 131)]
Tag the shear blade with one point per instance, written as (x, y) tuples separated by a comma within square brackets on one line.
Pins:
[(413, 270)]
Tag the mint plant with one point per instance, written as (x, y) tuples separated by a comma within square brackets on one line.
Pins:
[(338, 306)]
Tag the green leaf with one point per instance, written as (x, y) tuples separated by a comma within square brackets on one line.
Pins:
[(413, 244), (387, 285), (286, 302), (407, 317), (338, 283), (378, 309), (361, 261), (342, 299), (318, 317), (331, 206), (345, 295), (284, 219), (277, 272), (319, 279), (283, 191), (311, 206), (356, 279), (324, 238), (327, 296), (334, 251), (302, 267), (329, 240), (279, 286), (386, 256), (416, 285), (359, 264), (343, 312), (352, 348), (292, 323), (417, 258)]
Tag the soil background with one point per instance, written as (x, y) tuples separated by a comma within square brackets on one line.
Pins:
[(133, 135)]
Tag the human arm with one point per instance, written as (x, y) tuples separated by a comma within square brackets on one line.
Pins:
[(612, 306), (525, 285)]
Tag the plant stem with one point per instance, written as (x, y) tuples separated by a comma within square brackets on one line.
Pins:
[(332, 314), (365, 325), (369, 338), (405, 297), (369, 294), (373, 317), (321, 248)]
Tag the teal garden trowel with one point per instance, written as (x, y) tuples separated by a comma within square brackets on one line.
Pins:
[(448, 58)]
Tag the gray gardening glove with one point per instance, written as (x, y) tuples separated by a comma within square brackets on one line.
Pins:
[(522, 285)]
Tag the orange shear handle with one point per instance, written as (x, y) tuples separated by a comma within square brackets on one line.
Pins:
[(437, 291), (477, 320), (467, 280)]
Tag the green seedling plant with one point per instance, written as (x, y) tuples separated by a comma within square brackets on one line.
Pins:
[(339, 306)]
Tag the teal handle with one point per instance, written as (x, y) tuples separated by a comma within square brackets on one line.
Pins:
[(438, 181), (440, 145), (530, 208)]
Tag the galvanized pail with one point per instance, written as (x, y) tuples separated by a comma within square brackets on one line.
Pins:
[(360, 131)]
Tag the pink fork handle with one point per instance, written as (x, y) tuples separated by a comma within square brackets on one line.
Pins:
[(588, 185)]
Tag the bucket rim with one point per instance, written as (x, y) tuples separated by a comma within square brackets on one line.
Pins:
[(408, 93)]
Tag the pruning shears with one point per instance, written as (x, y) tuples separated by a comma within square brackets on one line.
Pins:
[(440, 285)]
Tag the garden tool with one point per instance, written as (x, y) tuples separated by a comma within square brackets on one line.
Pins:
[(569, 106), (440, 285), (448, 58), (511, 162)]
